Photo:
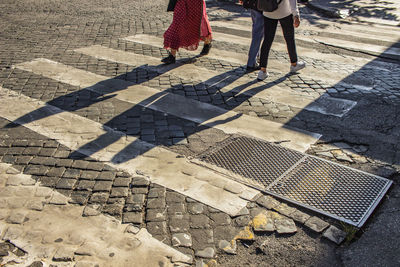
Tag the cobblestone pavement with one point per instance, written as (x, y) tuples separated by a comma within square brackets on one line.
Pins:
[(66, 202)]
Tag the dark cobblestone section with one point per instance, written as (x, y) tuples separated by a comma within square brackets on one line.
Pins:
[(7, 252)]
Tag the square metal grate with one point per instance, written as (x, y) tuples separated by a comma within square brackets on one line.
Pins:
[(329, 188)]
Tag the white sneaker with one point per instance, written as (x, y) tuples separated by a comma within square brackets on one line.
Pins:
[(262, 75), (300, 65)]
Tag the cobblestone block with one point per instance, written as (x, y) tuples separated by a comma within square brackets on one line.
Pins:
[(72, 173), (285, 226), (122, 182), (58, 199), (179, 223), (100, 198), (35, 205), (80, 164), (176, 208), (101, 186), (157, 228), (284, 209), (202, 238), (140, 190), (48, 181), (56, 171), (156, 215), (106, 175), (85, 185), (66, 184), (181, 240), (242, 221), (196, 208), (95, 166), (299, 216), (47, 152), (228, 247), (316, 224), (119, 192), (35, 169), (140, 181), (208, 253), (174, 197), (335, 234), (89, 175), (43, 192), (64, 163), (156, 203), (113, 209), (199, 221), (79, 197), (132, 217), (91, 210), (157, 192), (17, 217), (268, 202)]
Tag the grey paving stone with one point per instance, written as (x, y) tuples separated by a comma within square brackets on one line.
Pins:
[(132, 217), (242, 221), (114, 209), (156, 203), (181, 240), (72, 173), (199, 221), (122, 182), (140, 181), (176, 208), (85, 185), (79, 197), (89, 175), (268, 202), (299, 216), (220, 218), (335, 234), (172, 197), (119, 192), (208, 253), (195, 208), (102, 186), (100, 198), (106, 175), (179, 223), (157, 228), (155, 215), (157, 192), (202, 238), (316, 224), (66, 183)]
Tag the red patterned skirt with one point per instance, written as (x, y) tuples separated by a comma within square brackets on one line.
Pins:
[(189, 25)]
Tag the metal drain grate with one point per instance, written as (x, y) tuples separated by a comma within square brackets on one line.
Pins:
[(334, 190)]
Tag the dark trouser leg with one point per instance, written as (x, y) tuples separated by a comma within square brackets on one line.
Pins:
[(288, 34), (269, 35)]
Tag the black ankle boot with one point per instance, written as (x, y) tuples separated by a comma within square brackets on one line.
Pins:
[(206, 49), (168, 60)]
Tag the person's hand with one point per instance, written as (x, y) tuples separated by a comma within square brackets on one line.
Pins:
[(296, 21)]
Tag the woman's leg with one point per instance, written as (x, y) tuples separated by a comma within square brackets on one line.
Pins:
[(257, 34), (269, 35), (288, 34)]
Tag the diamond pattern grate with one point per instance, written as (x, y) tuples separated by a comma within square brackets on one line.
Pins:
[(331, 189)]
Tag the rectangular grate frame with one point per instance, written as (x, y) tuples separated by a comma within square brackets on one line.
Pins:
[(338, 191)]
